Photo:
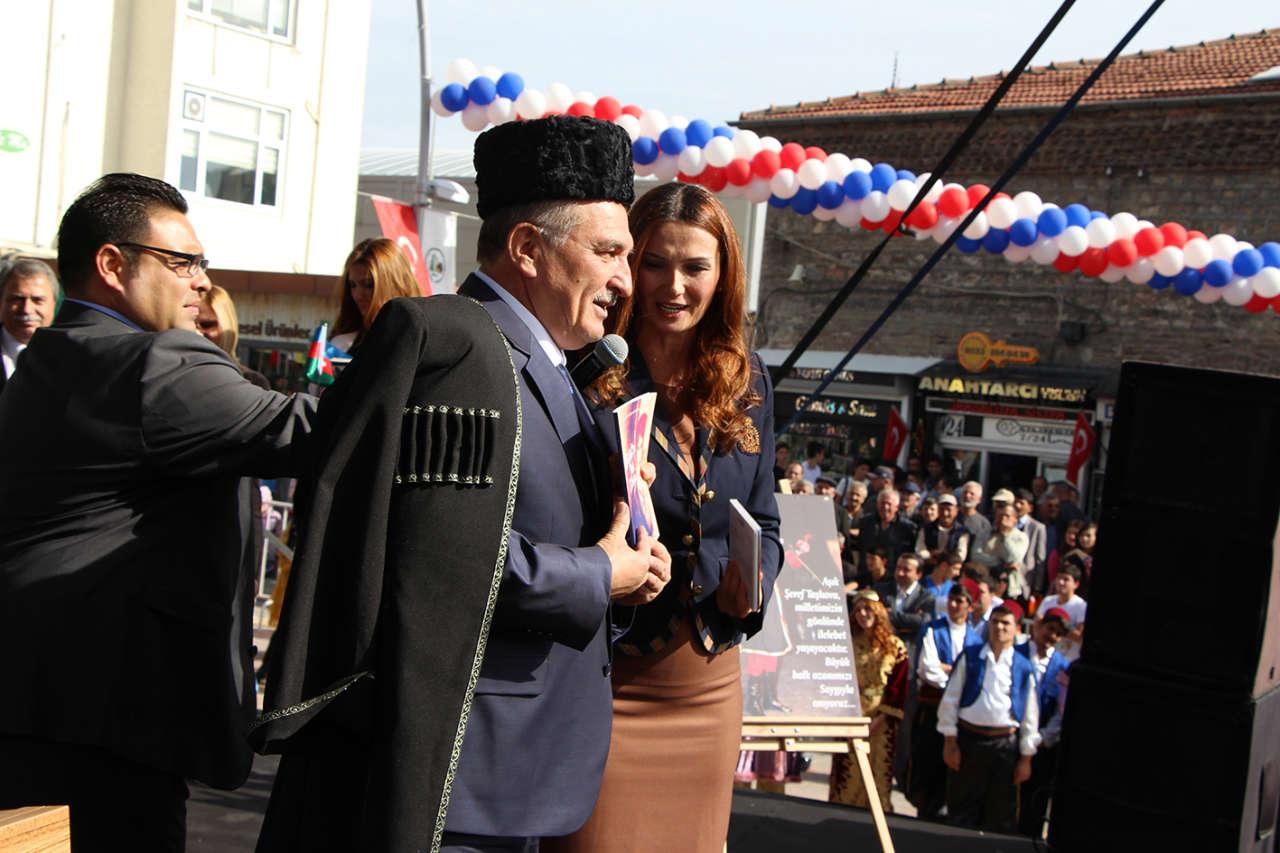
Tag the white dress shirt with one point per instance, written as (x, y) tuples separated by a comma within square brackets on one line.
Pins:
[(534, 325), (930, 668), (10, 349), (993, 707)]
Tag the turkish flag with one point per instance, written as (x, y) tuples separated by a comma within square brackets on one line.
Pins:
[(400, 224), (895, 436), (1081, 449)]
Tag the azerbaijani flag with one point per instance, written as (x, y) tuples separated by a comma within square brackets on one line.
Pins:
[(319, 365)]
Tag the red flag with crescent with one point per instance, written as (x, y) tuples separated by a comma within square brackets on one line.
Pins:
[(1081, 449), (399, 223), (895, 436)]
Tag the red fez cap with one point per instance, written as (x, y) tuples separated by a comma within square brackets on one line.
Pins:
[(1013, 607), (1058, 613), (971, 585)]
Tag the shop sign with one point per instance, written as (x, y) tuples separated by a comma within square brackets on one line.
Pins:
[(976, 352), (1030, 433), (281, 317), (817, 374), (837, 406), (1003, 410), (1029, 391)]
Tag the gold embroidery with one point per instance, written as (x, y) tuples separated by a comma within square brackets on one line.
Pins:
[(750, 442)]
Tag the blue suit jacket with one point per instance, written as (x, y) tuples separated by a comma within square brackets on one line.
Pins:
[(536, 743)]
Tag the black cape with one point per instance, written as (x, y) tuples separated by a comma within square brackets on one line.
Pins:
[(392, 591)]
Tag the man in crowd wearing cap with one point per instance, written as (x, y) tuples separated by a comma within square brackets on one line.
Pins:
[(29, 292), (1050, 627), (886, 528), (973, 520), (941, 642), (989, 717), (881, 480), (942, 536), (126, 578), (910, 501), (1004, 548)]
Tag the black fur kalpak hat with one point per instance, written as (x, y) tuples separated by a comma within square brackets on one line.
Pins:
[(569, 158)]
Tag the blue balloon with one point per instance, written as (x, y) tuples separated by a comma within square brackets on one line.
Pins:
[(672, 140), (723, 130), (1052, 222), (830, 195), (774, 201), (1247, 262), (454, 97), (968, 246), (904, 175), (805, 200), (996, 240), (1188, 281), (1077, 214), (1022, 232), (510, 85), (644, 150), (1159, 282), (857, 184), (882, 177), (698, 132), (1096, 214), (1218, 273), (1270, 254), (482, 91)]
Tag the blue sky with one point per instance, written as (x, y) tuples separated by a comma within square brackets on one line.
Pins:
[(714, 59)]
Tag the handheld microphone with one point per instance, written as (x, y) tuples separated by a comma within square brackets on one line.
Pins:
[(609, 351)]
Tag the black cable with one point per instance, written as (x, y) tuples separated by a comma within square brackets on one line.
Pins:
[(924, 270), (944, 164)]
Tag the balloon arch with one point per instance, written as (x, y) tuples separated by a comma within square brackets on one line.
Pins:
[(854, 192)]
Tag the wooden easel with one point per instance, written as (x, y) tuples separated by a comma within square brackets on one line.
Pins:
[(821, 734)]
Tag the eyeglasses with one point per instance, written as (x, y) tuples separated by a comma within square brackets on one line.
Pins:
[(196, 264)]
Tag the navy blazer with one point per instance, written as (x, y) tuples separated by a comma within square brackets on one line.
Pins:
[(534, 752), (747, 476)]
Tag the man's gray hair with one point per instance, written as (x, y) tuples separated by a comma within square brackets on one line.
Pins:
[(554, 219), (15, 268)]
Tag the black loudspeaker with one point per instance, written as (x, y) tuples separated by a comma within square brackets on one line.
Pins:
[(1149, 765), (1186, 578)]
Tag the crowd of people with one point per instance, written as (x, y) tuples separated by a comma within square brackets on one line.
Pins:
[(962, 583)]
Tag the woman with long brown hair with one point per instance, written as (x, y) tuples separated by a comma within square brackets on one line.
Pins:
[(881, 661), (677, 724), (375, 272)]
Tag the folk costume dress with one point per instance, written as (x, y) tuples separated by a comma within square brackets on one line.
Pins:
[(882, 683)]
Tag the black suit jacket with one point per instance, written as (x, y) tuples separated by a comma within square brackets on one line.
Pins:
[(917, 610), (125, 596)]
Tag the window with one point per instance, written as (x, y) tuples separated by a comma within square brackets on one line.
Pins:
[(271, 18), (231, 149)]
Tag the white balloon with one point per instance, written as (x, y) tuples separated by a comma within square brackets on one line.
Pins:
[(746, 144), (860, 165), (691, 160), (531, 104), (1197, 253), (784, 183), (838, 166), (1028, 204), (770, 143), (493, 72), (1002, 212), (901, 193), (626, 121), (875, 206), (1208, 294), (1224, 247), (475, 117), (643, 170), (1241, 245), (652, 123), (585, 98), (1126, 225), (923, 233), (719, 150), (934, 191), (978, 228), (1168, 261), (501, 110), (756, 190), (1112, 274), (731, 191), (1044, 250), (678, 121), (823, 214), (665, 168), (559, 97), (812, 174), (849, 213), (1237, 292), (943, 228), (461, 71), (1101, 233), (1072, 241), (437, 106), (1140, 271), (1015, 253), (1266, 283), (1144, 224)]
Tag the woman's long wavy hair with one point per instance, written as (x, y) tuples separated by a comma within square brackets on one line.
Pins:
[(392, 277), (882, 633), (721, 389)]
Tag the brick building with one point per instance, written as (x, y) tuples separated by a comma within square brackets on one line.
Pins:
[(1188, 134)]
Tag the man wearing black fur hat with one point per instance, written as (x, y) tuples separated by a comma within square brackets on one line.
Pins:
[(553, 257)]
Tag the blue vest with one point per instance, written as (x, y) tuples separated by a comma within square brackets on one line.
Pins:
[(1047, 689), (941, 630), (975, 667)]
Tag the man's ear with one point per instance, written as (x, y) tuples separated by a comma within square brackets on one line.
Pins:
[(524, 249), (111, 266)]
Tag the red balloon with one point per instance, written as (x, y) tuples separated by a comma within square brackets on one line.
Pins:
[(633, 110), (1093, 261), (608, 108), (552, 113), (581, 108), (813, 152), (1148, 241), (1174, 234), (891, 223), (738, 171), (1001, 195), (924, 217), (714, 178), (977, 193), (1066, 263), (766, 163), (1122, 252), (953, 202), (1275, 305), (791, 156), (1196, 235), (1256, 304), (686, 179), (869, 225)]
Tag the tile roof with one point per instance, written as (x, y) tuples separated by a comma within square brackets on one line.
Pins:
[(1231, 66)]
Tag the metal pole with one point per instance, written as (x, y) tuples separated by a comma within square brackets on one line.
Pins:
[(422, 199)]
